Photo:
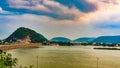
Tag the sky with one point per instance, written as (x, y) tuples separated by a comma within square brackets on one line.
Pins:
[(66, 18)]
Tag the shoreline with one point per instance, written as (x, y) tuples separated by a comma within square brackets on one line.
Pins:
[(101, 48), (17, 46)]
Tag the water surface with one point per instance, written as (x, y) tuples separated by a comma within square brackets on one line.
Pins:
[(67, 57)]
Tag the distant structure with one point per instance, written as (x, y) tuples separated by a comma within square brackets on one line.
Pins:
[(116, 46), (26, 40)]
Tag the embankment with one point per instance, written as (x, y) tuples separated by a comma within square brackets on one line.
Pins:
[(9, 47)]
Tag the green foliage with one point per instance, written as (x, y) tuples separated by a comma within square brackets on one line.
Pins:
[(6, 60), (22, 32)]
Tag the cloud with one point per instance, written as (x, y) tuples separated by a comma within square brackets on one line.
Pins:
[(109, 26), (66, 11), (105, 11), (0, 9), (28, 5), (83, 5), (43, 7), (3, 12)]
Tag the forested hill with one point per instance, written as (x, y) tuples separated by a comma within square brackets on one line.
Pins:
[(84, 39), (60, 39), (22, 33), (107, 39)]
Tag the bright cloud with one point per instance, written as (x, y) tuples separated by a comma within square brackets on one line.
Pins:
[(47, 7), (105, 9), (0, 9)]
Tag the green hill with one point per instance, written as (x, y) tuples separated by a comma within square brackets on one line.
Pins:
[(22, 33), (107, 39), (60, 39), (84, 39)]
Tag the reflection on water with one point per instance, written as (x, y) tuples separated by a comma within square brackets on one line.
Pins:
[(68, 57)]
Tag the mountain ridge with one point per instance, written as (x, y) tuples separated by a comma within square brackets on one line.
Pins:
[(60, 39), (107, 39), (84, 39)]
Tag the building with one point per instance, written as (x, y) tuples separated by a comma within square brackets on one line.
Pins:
[(26, 40)]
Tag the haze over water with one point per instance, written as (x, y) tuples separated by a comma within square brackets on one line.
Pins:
[(67, 57)]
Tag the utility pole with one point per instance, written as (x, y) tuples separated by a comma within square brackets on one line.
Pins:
[(37, 61), (97, 61)]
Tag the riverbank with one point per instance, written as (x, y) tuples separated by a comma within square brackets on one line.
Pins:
[(9, 47), (113, 48)]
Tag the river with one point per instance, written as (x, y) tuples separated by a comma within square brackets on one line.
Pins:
[(67, 57)]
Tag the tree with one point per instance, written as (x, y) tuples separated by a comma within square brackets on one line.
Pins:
[(6, 60)]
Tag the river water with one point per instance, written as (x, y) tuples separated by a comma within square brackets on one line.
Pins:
[(67, 57)]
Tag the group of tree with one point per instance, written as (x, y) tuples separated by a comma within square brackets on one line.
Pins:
[(6, 60)]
